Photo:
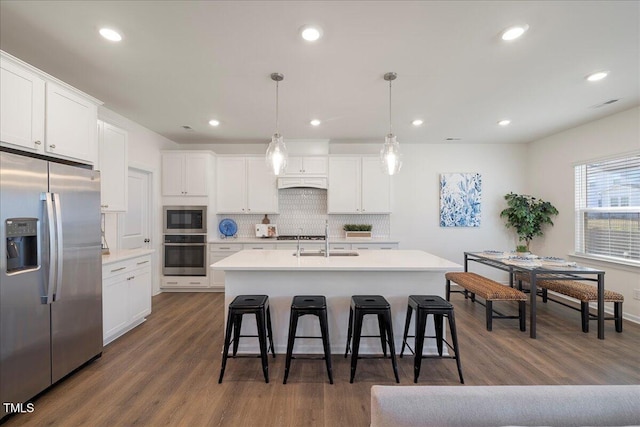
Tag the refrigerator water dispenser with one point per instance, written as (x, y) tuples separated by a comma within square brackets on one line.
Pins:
[(22, 244)]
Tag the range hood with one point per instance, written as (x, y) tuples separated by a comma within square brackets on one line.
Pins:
[(302, 182)]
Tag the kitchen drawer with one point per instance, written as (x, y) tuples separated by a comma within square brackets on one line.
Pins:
[(366, 246), (225, 247), (125, 266), (259, 246), (339, 246), (185, 282)]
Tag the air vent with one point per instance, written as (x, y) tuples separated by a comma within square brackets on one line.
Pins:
[(187, 128), (609, 102)]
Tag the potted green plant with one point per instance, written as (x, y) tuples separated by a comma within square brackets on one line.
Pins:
[(361, 231), (527, 215)]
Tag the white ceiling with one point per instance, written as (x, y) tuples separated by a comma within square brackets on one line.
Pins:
[(185, 62)]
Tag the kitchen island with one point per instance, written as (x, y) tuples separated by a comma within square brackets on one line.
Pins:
[(280, 274)]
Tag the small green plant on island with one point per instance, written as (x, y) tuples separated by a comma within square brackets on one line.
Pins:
[(357, 227), (527, 215)]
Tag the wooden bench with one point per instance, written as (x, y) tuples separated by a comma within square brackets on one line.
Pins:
[(490, 291), (583, 292)]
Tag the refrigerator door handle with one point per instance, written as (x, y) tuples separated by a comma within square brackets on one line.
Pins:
[(59, 253), (46, 197)]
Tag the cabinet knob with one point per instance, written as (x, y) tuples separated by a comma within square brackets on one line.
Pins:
[(104, 206), (37, 142), (147, 240), (52, 146)]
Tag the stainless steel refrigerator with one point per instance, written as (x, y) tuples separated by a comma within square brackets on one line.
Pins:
[(51, 274)]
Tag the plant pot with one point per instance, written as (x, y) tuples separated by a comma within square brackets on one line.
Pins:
[(358, 234)]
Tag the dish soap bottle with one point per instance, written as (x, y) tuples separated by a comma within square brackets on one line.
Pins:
[(266, 220)]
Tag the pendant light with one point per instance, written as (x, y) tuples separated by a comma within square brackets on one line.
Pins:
[(277, 152), (390, 156)]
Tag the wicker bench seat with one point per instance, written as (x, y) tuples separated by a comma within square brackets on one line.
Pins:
[(583, 292), (490, 291)]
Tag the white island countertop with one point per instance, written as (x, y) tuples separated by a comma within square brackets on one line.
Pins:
[(367, 260), (394, 274)]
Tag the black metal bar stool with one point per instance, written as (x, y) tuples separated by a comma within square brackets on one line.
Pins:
[(300, 306), (361, 305), (439, 308), (248, 304)]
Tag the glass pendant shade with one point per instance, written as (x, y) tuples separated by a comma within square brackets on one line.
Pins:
[(390, 155), (277, 155)]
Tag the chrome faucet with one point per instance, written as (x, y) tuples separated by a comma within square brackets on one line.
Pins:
[(326, 238), (298, 250)]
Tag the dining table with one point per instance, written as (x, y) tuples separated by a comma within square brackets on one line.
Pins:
[(540, 268)]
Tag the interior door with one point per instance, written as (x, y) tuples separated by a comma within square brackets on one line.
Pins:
[(136, 222)]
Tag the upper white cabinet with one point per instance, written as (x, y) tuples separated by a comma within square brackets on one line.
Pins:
[(185, 173), (22, 108), (358, 185), (70, 125), (112, 144), (306, 166), (41, 114), (245, 185)]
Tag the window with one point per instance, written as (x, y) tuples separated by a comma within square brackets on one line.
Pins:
[(607, 209)]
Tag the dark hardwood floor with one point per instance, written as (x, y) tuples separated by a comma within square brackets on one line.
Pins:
[(165, 372)]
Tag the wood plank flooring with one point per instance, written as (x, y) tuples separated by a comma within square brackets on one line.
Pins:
[(165, 372)]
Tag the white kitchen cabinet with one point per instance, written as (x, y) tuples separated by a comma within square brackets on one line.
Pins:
[(70, 125), (184, 283), (126, 295), (306, 166), (112, 143), (246, 186), (43, 115), (375, 187), (185, 173), (22, 108), (358, 185), (377, 246), (218, 252)]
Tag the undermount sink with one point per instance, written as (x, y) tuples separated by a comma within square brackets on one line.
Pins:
[(321, 253)]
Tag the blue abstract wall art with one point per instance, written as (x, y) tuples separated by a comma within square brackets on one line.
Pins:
[(460, 199)]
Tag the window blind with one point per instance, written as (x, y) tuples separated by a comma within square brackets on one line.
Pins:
[(607, 208)]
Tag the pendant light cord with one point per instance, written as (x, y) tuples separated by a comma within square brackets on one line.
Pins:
[(390, 107), (277, 125)]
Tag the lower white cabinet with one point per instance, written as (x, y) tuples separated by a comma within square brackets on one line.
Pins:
[(184, 283), (126, 295), (365, 246), (218, 252)]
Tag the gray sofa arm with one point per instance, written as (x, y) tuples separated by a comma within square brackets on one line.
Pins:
[(471, 406)]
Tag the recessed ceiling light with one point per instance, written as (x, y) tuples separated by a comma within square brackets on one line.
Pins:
[(315, 122), (311, 33), (111, 35), (514, 32), (504, 122), (597, 76), (214, 122), (417, 122)]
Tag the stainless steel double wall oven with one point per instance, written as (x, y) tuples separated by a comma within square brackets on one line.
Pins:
[(185, 241)]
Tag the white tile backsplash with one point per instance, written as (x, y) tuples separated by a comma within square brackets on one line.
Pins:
[(306, 209)]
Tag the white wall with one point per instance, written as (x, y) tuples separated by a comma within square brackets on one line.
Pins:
[(416, 215), (144, 148), (551, 178)]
